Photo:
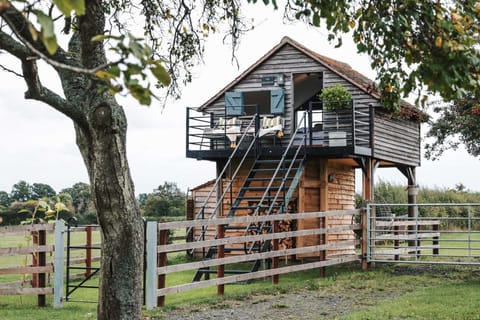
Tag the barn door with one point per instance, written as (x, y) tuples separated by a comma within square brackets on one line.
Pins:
[(234, 103)]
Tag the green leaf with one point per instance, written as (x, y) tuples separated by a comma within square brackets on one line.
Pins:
[(102, 74), (161, 74), (46, 23), (143, 95), (136, 49), (99, 38), (50, 44), (66, 6), (114, 70), (78, 6)]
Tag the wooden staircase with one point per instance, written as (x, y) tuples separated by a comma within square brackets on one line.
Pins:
[(267, 189)]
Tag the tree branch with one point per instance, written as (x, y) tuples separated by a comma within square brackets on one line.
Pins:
[(30, 74), (19, 25), (10, 71)]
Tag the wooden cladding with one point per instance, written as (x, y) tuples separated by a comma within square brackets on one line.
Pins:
[(396, 140)]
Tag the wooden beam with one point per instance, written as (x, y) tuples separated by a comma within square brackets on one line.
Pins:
[(323, 168)]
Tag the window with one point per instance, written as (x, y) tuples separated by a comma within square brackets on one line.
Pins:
[(246, 103)]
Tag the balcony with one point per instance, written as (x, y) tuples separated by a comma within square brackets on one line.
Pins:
[(341, 133)]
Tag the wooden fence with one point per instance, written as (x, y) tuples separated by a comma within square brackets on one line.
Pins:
[(157, 250), (38, 268), (41, 259)]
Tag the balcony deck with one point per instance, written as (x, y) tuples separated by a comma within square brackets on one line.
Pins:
[(331, 134)]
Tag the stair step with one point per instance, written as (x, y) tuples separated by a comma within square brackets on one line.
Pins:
[(274, 169), (267, 206), (276, 161), (268, 179)]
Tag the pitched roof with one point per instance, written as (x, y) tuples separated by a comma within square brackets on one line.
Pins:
[(342, 69)]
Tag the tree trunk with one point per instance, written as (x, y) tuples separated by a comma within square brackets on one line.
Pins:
[(103, 150)]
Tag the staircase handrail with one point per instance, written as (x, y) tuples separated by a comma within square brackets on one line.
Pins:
[(219, 178), (284, 155)]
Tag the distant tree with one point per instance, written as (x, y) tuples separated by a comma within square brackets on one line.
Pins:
[(21, 191), (82, 202), (5, 200), (167, 200), (42, 190), (142, 199)]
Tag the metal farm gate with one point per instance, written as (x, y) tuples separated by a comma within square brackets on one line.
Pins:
[(424, 233)]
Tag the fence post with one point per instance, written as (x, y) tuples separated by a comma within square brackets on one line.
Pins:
[(221, 254), (396, 242), (59, 264), (435, 241), (42, 262), (88, 253), (35, 259), (276, 228), (162, 262), (364, 239), (151, 265)]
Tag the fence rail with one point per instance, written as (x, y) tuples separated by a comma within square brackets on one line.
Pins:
[(156, 293), (431, 233), (40, 269)]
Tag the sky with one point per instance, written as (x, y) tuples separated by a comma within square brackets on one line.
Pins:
[(37, 144)]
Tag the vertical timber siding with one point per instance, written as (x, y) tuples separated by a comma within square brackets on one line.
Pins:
[(341, 196)]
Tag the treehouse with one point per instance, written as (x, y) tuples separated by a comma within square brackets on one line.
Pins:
[(279, 148)]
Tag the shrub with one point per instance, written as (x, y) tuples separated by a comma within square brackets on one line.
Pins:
[(335, 97)]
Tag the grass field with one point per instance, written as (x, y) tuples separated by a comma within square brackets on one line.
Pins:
[(421, 292)]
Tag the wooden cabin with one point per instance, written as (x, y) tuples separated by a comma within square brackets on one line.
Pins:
[(277, 149)]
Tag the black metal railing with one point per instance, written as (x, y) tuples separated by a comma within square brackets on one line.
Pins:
[(350, 126)]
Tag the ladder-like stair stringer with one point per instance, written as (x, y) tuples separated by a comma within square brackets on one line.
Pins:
[(283, 176)]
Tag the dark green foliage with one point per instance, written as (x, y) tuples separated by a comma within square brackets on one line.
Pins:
[(82, 203), (412, 45), (42, 190), (167, 200), (21, 191), (457, 123)]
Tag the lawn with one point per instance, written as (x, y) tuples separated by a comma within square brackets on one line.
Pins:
[(408, 292)]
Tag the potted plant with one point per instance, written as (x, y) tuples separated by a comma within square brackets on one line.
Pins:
[(335, 99)]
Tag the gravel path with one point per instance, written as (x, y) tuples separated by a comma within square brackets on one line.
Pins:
[(328, 300), (305, 305)]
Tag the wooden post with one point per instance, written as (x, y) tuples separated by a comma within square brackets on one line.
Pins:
[(435, 240), (35, 259), (42, 241), (88, 253), (364, 239), (396, 242), (367, 195), (162, 262), (221, 254), (412, 216), (323, 167), (275, 265)]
